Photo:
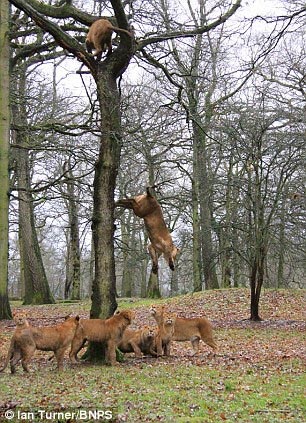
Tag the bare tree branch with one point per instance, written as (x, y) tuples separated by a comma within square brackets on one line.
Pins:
[(37, 12), (191, 33)]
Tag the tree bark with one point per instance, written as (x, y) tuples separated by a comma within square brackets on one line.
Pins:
[(208, 257), (226, 230), (5, 311), (174, 286), (128, 241), (256, 282), (196, 242), (282, 245), (153, 290), (106, 169), (73, 273), (36, 287)]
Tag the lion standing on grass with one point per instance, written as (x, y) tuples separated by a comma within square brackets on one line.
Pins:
[(27, 339), (108, 331)]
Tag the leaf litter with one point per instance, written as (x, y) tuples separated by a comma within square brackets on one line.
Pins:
[(273, 347)]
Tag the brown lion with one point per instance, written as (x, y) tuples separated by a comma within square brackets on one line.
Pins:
[(99, 37), (27, 339), (140, 341), (147, 207), (165, 332), (188, 329), (108, 331)]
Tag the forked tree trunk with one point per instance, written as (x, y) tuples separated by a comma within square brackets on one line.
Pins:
[(5, 311), (258, 234), (256, 282)]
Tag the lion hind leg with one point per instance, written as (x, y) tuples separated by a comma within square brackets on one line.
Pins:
[(76, 346), (110, 354), (15, 358), (109, 48), (59, 354), (207, 335), (154, 256), (89, 46), (159, 346), (195, 341), (167, 348), (27, 356)]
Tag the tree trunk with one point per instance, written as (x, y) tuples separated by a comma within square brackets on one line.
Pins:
[(106, 168), (144, 267), (281, 246), (127, 268), (36, 287), (259, 237), (5, 311), (226, 230), (256, 282), (153, 290), (104, 284), (203, 183), (73, 273), (174, 289), (236, 259), (196, 244), (208, 258)]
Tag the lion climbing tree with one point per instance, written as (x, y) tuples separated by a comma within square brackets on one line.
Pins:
[(51, 19)]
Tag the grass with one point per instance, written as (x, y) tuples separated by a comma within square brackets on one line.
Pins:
[(257, 376), (165, 392)]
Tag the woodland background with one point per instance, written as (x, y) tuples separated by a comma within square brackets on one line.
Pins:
[(212, 104), (215, 120)]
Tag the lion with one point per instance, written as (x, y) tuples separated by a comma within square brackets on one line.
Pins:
[(99, 37), (165, 333), (147, 207), (21, 323), (108, 331), (27, 339), (139, 341), (188, 329)]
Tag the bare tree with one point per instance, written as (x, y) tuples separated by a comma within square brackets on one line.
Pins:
[(34, 280), (5, 311), (73, 274), (105, 74)]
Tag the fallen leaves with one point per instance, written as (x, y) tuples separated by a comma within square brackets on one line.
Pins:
[(254, 360)]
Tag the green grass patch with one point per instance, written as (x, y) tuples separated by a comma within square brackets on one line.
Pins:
[(163, 392)]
